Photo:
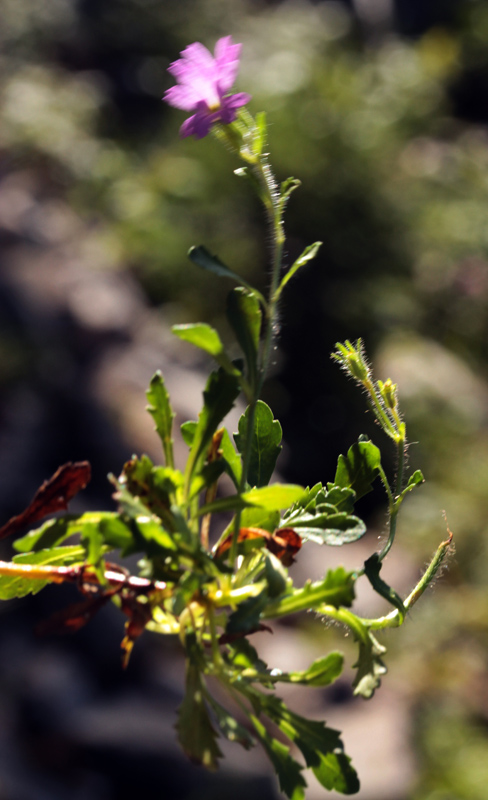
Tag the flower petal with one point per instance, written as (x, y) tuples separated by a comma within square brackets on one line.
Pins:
[(227, 62)]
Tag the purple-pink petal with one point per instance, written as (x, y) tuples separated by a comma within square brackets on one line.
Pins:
[(227, 62), (202, 83)]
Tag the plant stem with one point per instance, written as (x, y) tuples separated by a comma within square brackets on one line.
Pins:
[(76, 573), (270, 198)]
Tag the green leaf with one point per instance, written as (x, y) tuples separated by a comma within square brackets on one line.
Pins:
[(372, 568), (244, 315), (265, 443), (271, 498), (414, 480), (321, 747), (286, 189), (196, 733), (322, 672), (275, 497), (247, 615), (323, 516), (206, 338), (359, 468), (219, 397), (308, 254), (287, 769), (275, 574), (244, 656), (54, 531), (12, 586), (188, 430), (336, 773), (336, 589), (370, 667), (252, 517), (154, 487), (201, 256), (160, 409), (231, 729), (233, 463), (92, 541)]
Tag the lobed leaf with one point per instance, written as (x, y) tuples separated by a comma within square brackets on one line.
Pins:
[(196, 733), (359, 468), (162, 413)]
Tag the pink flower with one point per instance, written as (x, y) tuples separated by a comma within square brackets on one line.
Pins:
[(203, 82)]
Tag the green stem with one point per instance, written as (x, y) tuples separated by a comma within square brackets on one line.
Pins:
[(395, 506), (270, 199), (393, 619)]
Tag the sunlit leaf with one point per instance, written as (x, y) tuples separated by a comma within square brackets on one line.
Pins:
[(160, 409), (265, 443), (359, 468)]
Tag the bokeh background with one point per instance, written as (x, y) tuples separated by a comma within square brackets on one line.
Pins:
[(380, 107)]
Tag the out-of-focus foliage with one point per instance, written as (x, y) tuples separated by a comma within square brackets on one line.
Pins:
[(390, 141)]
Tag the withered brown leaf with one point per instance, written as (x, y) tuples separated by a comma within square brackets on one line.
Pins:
[(54, 495), (284, 543)]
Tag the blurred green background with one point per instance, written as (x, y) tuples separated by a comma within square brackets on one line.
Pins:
[(381, 109)]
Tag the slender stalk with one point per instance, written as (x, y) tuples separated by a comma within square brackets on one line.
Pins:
[(270, 197), (395, 507), (74, 574)]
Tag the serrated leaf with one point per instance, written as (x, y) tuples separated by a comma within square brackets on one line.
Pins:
[(244, 315), (336, 773), (196, 733), (359, 468), (330, 529), (265, 443), (370, 667), (229, 726), (324, 516), (287, 769), (336, 589), (321, 747), (308, 254), (247, 615), (244, 655), (17, 586), (160, 409)]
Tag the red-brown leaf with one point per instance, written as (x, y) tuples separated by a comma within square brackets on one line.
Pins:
[(284, 543), (54, 495)]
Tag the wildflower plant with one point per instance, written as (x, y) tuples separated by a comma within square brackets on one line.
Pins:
[(214, 595)]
